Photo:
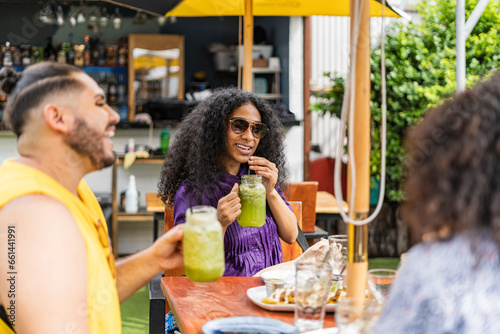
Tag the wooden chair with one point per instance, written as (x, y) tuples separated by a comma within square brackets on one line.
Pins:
[(305, 192), (293, 251)]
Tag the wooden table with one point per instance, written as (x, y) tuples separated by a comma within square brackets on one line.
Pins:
[(327, 208), (193, 304)]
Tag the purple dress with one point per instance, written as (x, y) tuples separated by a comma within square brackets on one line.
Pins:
[(248, 249)]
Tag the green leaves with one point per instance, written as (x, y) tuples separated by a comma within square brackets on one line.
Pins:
[(420, 67)]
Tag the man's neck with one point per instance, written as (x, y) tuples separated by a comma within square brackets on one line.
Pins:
[(67, 174)]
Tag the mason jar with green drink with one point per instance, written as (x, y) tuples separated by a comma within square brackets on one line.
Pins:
[(252, 194), (203, 245)]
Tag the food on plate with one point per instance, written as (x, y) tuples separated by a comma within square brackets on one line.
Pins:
[(286, 296)]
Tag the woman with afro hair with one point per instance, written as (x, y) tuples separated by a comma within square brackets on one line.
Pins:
[(232, 133)]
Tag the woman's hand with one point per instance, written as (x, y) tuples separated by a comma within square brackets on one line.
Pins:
[(229, 208), (268, 171)]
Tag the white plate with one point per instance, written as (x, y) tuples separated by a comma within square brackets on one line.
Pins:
[(288, 276), (259, 292), (247, 325)]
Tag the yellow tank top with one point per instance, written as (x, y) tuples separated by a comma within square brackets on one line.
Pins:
[(103, 305)]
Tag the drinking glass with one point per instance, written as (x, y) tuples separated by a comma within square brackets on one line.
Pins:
[(338, 247), (312, 283), (104, 19), (379, 282), (60, 16), (72, 16), (252, 194), (203, 245), (356, 315), (117, 19)]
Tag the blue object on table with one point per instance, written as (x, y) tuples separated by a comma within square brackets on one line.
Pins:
[(247, 325)]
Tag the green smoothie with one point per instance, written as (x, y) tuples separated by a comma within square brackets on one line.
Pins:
[(203, 245), (253, 201)]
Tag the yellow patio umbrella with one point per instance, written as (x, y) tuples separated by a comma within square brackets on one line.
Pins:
[(191, 8), (250, 8)]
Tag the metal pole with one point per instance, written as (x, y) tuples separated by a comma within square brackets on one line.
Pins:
[(248, 46), (357, 265), (475, 16), (460, 41)]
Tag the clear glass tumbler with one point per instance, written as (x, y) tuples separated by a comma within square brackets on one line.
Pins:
[(312, 284)]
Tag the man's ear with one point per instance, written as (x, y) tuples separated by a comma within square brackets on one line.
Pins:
[(56, 117)]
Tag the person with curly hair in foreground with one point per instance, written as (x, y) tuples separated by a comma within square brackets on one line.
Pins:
[(448, 283), (232, 133)]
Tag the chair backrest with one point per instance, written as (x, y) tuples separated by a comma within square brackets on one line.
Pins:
[(169, 223), (293, 251), (322, 169), (305, 192)]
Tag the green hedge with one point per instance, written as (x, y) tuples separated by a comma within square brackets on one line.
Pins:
[(420, 67)]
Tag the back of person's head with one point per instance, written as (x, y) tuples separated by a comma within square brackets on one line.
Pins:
[(27, 90), (453, 163)]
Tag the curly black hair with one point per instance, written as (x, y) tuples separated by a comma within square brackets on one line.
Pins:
[(200, 143), (453, 163)]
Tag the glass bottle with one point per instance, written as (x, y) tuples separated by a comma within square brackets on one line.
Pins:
[(61, 55), (86, 52), (7, 56), (164, 141), (112, 90), (252, 194), (49, 53), (203, 245), (70, 52)]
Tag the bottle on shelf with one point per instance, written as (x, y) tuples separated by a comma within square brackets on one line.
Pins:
[(164, 141), (61, 55), (25, 55), (112, 90), (16, 55), (121, 90), (7, 56), (131, 197), (70, 53), (86, 51), (103, 82), (123, 52), (49, 53)]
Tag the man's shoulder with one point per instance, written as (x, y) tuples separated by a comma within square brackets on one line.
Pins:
[(39, 208)]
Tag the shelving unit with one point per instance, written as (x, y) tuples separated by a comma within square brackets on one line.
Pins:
[(272, 75), (118, 216)]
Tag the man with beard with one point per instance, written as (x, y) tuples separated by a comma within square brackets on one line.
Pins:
[(57, 271)]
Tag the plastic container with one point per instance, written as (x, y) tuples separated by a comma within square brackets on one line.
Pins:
[(203, 245), (131, 197), (164, 141), (253, 201)]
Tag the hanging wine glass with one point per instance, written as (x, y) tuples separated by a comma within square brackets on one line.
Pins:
[(104, 19), (93, 16), (80, 17), (46, 15), (161, 20), (140, 18), (117, 19), (59, 16), (72, 16)]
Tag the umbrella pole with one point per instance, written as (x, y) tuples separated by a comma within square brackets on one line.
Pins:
[(357, 265), (248, 46)]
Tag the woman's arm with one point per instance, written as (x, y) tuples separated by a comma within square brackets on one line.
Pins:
[(283, 216)]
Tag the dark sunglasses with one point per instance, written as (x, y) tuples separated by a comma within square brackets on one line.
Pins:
[(240, 125)]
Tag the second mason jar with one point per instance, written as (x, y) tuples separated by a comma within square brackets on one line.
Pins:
[(203, 245), (253, 201)]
